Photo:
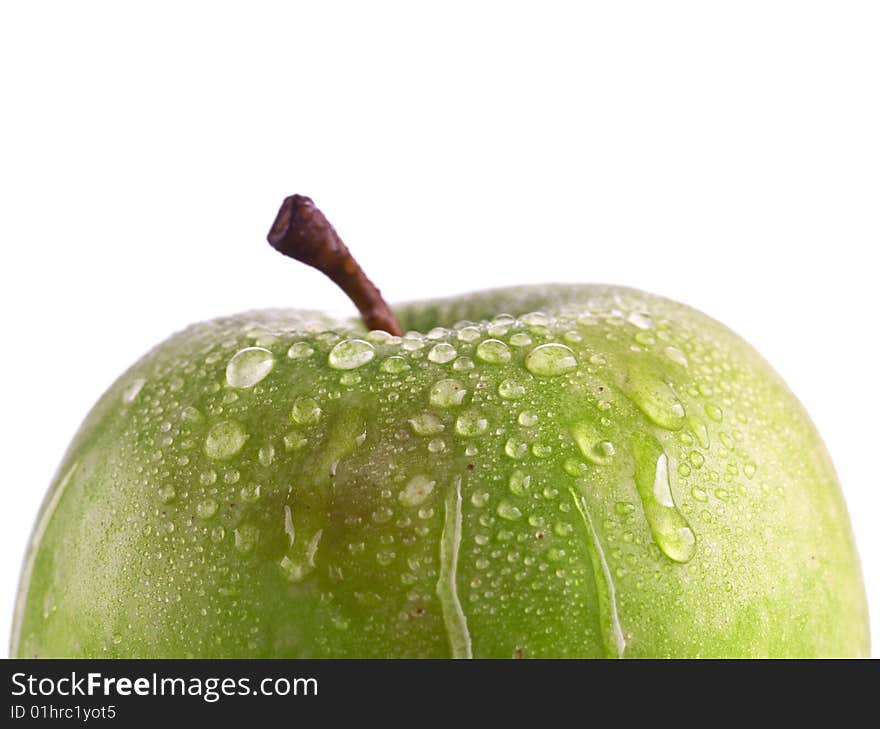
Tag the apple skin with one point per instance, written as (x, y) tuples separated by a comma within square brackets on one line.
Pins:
[(652, 490)]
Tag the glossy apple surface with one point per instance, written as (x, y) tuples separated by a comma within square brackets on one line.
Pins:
[(553, 471)]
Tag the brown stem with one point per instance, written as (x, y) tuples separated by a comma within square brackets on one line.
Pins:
[(302, 232)]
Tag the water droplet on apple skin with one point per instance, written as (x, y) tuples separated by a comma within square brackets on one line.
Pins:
[(442, 353), (224, 440), (493, 351), (350, 354), (249, 366), (550, 360), (669, 527), (417, 490), (447, 393)]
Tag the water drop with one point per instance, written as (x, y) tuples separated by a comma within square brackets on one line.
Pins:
[(225, 439), (412, 342), (246, 538), (300, 350), (519, 483), (416, 491), (266, 455), (378, 336), (248, 366), (516, 448), (536, 319), (470, 424), (395, 365), (463, 364), (510, 390), (436, 445), (527, 419), (167, 493), (508, 511), (670, 529), (501, 325), (218, 533), (385, 557), (676, 355), (541, 450), (293, 441), (714, 412), (468, 334), (442, 353), (480, 499), (206, 509), (655, 398), (350, 354), (563, 528), (520, 339), (447, 393), (306, 411), (592, 445), (426, 424), (493, 351), (550, 360), (190, 414), (641, 320), (130, 393), (250, 493)]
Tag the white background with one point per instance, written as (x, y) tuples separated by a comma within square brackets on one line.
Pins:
[(723, 154)]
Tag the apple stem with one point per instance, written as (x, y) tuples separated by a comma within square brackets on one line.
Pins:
[(302, 232)]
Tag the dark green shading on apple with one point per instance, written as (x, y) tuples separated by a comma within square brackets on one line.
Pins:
[(541, 471)]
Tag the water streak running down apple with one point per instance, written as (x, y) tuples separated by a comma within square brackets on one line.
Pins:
[(539, 471)]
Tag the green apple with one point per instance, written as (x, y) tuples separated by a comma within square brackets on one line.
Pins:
[(554, 471)]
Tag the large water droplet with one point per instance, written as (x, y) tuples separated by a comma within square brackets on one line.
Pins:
[(306, 411), (167, 493), (470, 424), (516, 448), (493, 351), (395, 365), (510, 390), (442, 353), (225, 439), (426, 424), (468, 334), (668, 525), (416, 491), (550, 360), (655, 398), (350, 354), (508, 511), (206, 509), (248, 366), (447, 393), (519, 483), (300, 350), (714, 412), (592, 445)]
